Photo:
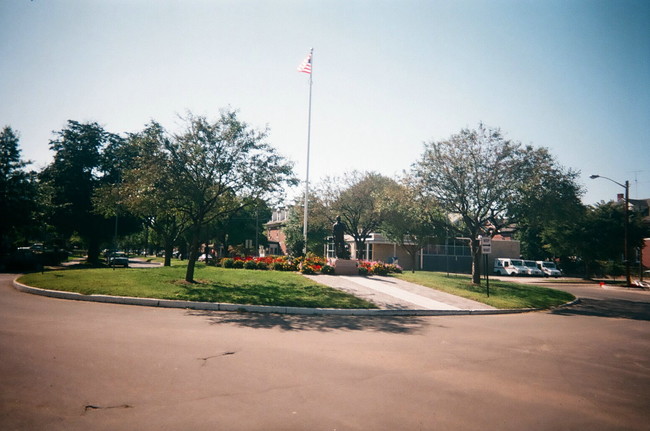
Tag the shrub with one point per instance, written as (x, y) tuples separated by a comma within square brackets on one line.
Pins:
[(290, 266), (262, 265), (326, 269), (239, 264), (363, 270), (277, 266), (307, 269), (250, 264), (379, 268), (227, 262)]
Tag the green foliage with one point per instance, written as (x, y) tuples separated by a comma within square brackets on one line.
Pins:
[(18, 193), (228, 263), (410, 219), (250, 264), (217, 167), (319, 226), (356, 198), (490, 182), (327, 270), (78, 170)]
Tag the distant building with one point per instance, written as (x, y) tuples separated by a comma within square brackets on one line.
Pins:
[(275, 232), (454, 256)]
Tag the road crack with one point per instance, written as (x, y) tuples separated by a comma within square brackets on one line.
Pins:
[(206, 359)]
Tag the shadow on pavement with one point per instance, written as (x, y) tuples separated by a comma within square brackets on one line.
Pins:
[(607, 308), (292, 322)]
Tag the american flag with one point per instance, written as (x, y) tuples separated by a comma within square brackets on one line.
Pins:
[(305, 66)]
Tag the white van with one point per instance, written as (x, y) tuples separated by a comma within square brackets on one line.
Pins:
[(507, 266), (533, 270), (549, 269)]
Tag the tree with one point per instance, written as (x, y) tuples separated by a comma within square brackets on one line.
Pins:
[(72, 179), (241, 226), (216, 168), (410, 219), (319, 227), (17, 192), (486, 181), (599, 234), (146, 189), (550, 199), (356, 198)]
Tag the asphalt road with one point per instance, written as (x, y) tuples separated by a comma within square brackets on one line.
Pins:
[(67, 365)]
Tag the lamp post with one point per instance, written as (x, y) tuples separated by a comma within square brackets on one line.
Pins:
[(626, 186)]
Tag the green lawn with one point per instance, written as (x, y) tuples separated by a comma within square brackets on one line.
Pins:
[(236, 286), (503, 294)]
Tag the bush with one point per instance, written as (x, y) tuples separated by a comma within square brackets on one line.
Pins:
[(277, 266), (227, 262), (250, 264), (378, 268), (290, 266), (262, 265), (326, 269), (307, 269), (239, 264)]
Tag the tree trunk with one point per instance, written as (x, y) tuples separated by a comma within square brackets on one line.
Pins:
[(93, 250), (361, 247), (169, 249), (476, 262), (414, 259), (194, 255)]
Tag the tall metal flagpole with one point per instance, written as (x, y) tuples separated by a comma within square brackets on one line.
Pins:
[(307, 68)]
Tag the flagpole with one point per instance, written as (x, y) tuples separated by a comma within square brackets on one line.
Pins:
[(304, 232)]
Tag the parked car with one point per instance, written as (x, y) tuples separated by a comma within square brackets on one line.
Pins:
[(532, 268), (549, 269), (118, 259), (507, 266)]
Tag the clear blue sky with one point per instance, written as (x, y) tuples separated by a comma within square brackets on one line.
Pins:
[(570, 75)]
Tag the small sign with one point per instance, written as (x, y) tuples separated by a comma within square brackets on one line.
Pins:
[(486, 245)]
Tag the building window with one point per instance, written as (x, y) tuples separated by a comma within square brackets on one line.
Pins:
[(367, 253)]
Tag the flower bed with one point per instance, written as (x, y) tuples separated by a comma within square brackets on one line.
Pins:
[(311, 264), (377, 268)]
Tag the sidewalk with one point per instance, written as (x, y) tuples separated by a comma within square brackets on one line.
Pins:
[(390, 293)]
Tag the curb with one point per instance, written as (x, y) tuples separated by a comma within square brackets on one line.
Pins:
[(216, 306)]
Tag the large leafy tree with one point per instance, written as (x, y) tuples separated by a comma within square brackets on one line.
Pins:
[(319, 226), (356, 198), (72, 179), (244, 225), (488, 182), (549, 199), (598, 235), (215, 168), (145, 188), (17, 192), (410, 219)]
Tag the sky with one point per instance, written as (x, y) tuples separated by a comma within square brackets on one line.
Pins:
[(569, 75)]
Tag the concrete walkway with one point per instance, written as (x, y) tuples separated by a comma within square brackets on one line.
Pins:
[(394, 294)]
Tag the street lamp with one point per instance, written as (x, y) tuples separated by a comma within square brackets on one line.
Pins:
[(626, 186)]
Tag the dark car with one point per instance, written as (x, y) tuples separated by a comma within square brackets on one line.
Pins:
[(118, 259)]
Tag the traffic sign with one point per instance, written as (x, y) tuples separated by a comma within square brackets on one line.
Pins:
[(486, 245)]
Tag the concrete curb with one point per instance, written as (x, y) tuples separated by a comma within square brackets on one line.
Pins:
[(215, 306)]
